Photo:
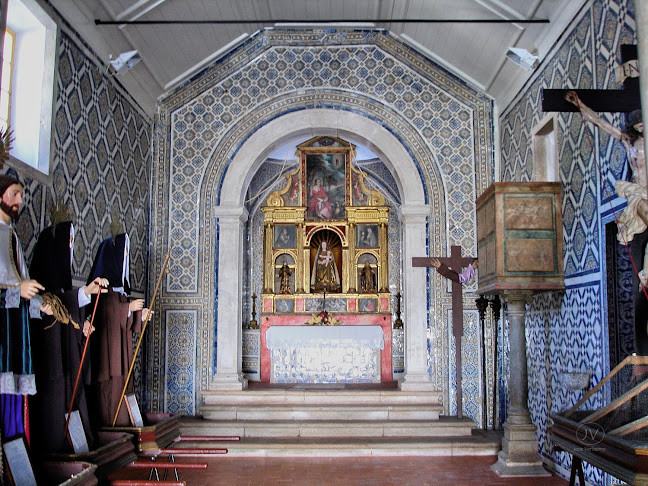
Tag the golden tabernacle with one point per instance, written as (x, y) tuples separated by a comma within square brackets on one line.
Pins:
[(325, 250)]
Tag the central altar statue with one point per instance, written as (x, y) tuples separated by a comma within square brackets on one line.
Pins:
[(325, 274)]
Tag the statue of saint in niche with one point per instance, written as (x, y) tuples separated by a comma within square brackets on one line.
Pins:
[(284, 279), (367, 279), (325, 275)]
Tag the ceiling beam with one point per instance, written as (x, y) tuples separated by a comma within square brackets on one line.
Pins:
[(324, 21), (496, 6), (493, 6), (145, 6)]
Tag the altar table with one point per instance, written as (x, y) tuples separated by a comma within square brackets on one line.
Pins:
[(325, 354)]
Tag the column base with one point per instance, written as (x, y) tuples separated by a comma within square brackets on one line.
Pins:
[(519, 455), (228, 381), (415, 382)]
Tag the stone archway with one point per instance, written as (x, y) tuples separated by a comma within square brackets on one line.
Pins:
[(232, 215)]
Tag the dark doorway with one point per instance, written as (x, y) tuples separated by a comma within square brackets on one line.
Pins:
[(624, 299)]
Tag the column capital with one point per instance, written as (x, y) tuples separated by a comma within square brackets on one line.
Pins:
[(414, 213), (231, 213), (517, 295)]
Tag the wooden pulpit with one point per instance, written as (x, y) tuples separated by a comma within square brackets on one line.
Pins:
[(519, 246), (519, 237)]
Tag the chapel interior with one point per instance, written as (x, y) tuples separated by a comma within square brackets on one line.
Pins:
[(351, 241)]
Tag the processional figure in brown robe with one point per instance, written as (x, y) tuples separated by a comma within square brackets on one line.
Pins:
[(116, 320)]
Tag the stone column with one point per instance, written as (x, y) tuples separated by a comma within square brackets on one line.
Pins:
[(229, 311), (519, 455), (413, 219), (641, 19)]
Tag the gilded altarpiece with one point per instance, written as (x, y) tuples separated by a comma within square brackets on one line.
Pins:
[(325, 306)]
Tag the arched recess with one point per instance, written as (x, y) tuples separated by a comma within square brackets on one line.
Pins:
[(232, 215)]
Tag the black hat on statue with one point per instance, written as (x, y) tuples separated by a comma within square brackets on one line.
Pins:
[(112, 262)]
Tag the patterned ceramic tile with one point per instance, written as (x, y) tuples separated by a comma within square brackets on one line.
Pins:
[(180, 372), (444, 124), (570, 331)]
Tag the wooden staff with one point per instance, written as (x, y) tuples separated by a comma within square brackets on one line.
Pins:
[(139, 341), (83, 355)]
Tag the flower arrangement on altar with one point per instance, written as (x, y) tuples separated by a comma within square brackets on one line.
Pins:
[(323, 319)]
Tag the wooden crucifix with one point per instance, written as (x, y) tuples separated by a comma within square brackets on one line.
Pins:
[(455, 262), (619, 100), (603, 100)]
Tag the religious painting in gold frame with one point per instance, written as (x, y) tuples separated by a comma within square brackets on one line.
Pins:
[(367, 236), (325, 183), (285, 236)]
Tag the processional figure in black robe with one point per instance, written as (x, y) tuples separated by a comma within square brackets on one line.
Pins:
[(58, 341)]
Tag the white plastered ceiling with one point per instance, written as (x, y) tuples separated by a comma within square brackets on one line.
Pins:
[(171, 52)]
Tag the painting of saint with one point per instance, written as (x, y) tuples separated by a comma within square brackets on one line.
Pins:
[(284, 305), (291, 198), (368, 305), (319, 203), (325, 186), (359, 197), (284, 236), (367, 236)]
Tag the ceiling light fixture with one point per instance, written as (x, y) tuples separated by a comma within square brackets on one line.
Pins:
[(125, 61), (523, 58)]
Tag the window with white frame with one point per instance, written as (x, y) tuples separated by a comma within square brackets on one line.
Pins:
[(545, 156), (29, 99), (7, 68)]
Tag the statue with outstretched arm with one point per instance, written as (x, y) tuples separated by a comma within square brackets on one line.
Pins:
[(634, 219)]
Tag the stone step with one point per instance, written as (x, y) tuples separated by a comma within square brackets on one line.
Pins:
[(321, 396), (443, 427), (318, 412), (478, 442)]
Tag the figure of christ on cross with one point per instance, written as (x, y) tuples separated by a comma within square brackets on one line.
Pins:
[(453, 265)]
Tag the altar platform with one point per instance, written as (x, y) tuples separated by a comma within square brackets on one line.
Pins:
[(352, 419)]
